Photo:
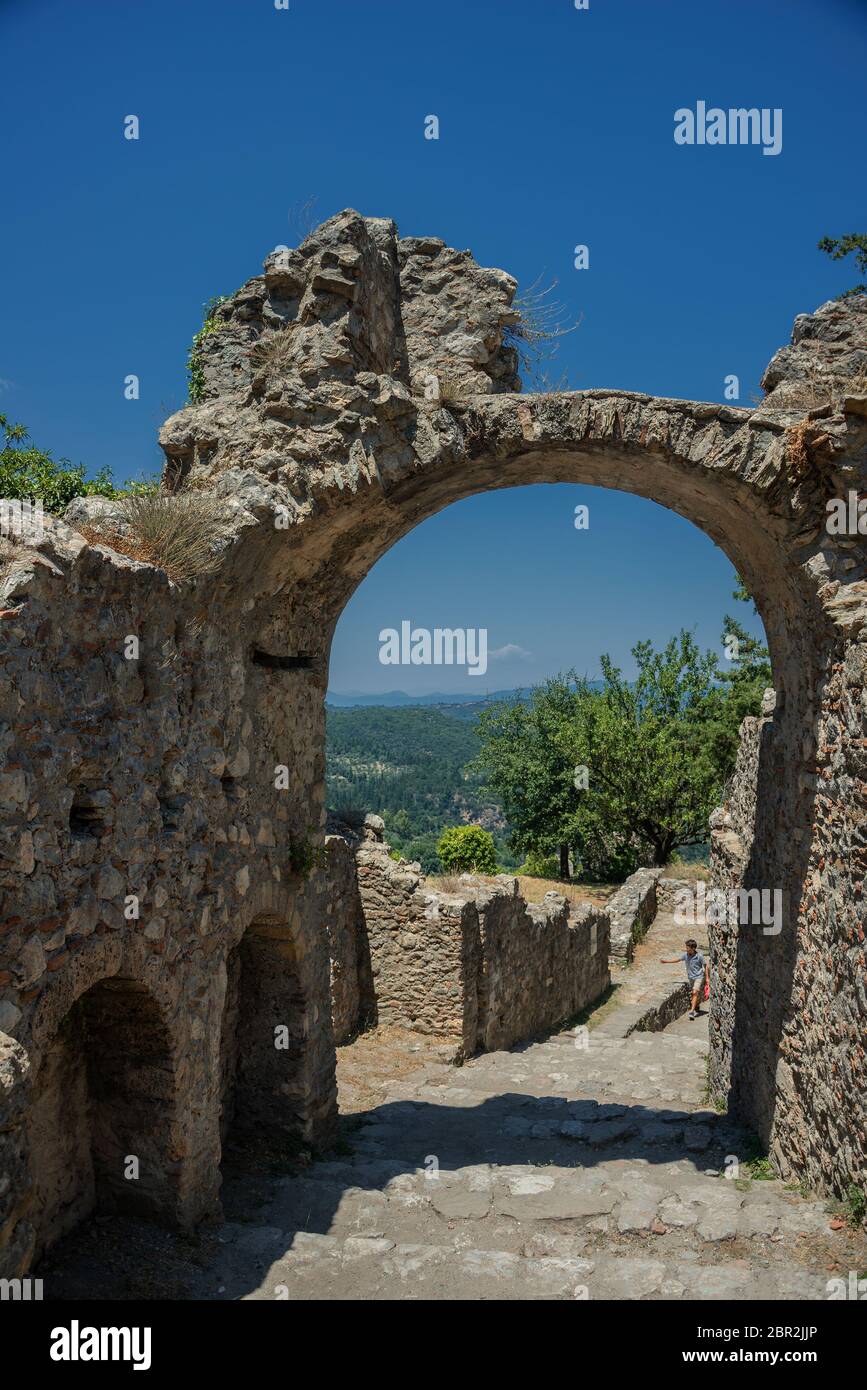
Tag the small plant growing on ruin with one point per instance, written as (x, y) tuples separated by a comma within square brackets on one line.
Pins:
[(272, 352), (303, 218), (804, 444), (174, 531), (757, 1165), (852, 1208), (195, 359), (304, 856), (467, 849), (542, 322), (447, 883), (856, 1200), (453, 390)]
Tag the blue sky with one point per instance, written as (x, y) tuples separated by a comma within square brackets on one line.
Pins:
[(556, 128)]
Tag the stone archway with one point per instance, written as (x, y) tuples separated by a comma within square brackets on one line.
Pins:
[(364, 382), (276, 1049), (105, 1100), (264, 1036), (367, 381)]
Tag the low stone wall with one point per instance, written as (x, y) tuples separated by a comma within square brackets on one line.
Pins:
[(670, 891), (423, 948), (480, 964), (669, 1006), (631, 911), (541, 963)]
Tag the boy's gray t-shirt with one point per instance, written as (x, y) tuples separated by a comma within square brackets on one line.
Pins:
[(694, 965)]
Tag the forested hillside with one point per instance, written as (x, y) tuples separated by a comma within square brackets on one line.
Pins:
[(410, 767)]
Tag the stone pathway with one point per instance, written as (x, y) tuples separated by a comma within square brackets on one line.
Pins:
[(648, 994), (646, 977), (582, 1166)]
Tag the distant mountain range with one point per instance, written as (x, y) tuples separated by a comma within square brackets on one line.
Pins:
[(388, 699), (463, 707)]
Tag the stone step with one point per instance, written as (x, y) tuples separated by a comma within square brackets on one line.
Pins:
[(377, 1267)]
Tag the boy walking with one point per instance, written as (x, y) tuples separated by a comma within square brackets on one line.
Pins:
[(697, 973)]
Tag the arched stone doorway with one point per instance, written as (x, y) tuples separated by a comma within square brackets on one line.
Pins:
[(101, 1115), (393, 393), (264, 1036), (276, 1049)]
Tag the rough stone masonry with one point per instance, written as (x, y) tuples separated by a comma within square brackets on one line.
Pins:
[(474, 963), (163, 893)]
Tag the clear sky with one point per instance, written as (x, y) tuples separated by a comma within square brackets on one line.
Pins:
[(556, 129)]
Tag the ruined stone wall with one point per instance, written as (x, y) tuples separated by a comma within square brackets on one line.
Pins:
[(541, 963), (817, 1038), (825, 1037), (142, 838), (478, 964), (353, 1002), (423, 948), (631, 911)]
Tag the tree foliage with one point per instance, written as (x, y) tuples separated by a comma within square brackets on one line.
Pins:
[(467, 849), (628, 773), (854, 243), (32, 475), (526, 761), (744, 684)]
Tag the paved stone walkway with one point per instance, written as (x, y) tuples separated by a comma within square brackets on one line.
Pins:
[(582, 1166)]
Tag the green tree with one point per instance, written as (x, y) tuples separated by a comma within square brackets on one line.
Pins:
[(651, 777), (855, 243), (526, 760), (467, 849), (652, 781), (743, 686), (539, 865), (400, 823), (31, 474), (423, 850)]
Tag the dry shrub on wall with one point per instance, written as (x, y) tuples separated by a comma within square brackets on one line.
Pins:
[(177, 532), (808, 450), (273, 353), (10, 551), (447, 883), (797, 448)]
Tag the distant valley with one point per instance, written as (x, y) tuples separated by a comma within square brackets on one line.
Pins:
[(410, 764)]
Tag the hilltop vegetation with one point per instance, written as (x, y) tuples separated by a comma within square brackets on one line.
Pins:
[(31, 474), (411, 766), (584, 777)]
